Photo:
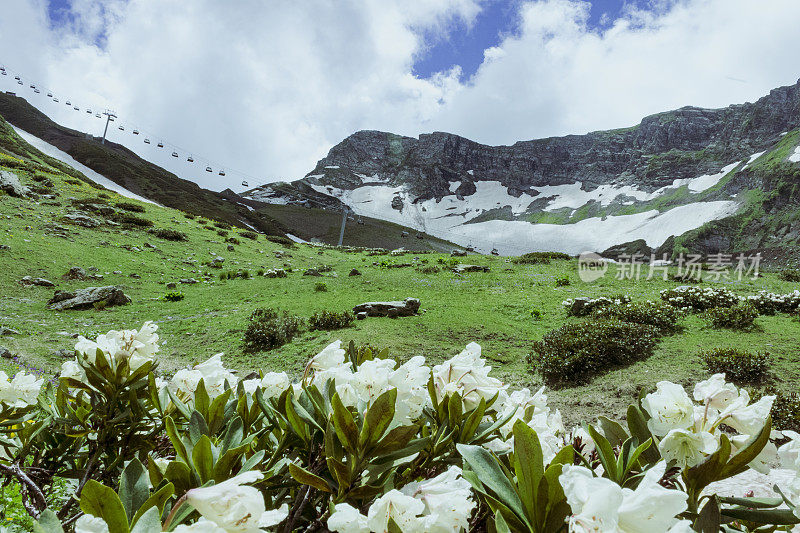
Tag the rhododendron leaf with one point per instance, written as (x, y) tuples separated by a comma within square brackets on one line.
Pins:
[(485, 465), (709, 519), (197, 427), (344, 424), (738, 463), (778, 517), (294, 419), (613, 431), (203, 459), (754, 503), (637, 424), (201, 399), (133, 487), (396, 439), (528, 467), (149, 522), (605, 452), (102, 502), (301, 475), (157, 501), (180, 475), (378, 417), (175, 439), (48, 522), (472, 421), (233, 435)]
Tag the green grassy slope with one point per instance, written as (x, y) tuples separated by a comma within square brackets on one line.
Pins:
[(493, 309)]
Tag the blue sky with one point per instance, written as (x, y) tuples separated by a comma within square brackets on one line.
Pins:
[(464, 45)]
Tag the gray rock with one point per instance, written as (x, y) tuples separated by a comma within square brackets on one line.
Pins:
[(576, 309), (460, 269), (82, 219), (355, 272), (362, 315), (275, 273), (189, 281), (217, 261), (10, 184), (172, 285), (312, 272), (7, 331), (5, 353), (4, 247), (64, 353), (231, 248), (39, 282), (76, 273), (117, 272), (397, 203), (408, 307), (134, 275), (86, 298), (458, 253)]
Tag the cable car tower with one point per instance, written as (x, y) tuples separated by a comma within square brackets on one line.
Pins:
[(109, 117)]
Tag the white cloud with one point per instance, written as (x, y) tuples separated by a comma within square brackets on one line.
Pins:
[(269, 87)]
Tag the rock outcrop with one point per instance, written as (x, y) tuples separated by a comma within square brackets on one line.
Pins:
[(87, 298), (408, 307)]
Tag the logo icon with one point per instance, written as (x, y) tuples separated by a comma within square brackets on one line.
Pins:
[(591, 266)]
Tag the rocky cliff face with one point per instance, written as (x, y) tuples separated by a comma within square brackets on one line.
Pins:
[(560, 180)]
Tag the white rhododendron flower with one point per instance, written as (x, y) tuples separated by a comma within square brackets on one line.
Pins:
[(137, 347), (21, 391), (346, 519), (669, 408), (201, 526), (789, 453), (213, 373), (765, 458), (715, 392), (599, 504), (401, 508), (234, 506), (747, 419), (72, 370), (515, 405), (90, 524), (687, 448), (331, 356), (467, 374)]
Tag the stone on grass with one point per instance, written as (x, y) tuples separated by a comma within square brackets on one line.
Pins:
[(82, 219), (64, 353), (231, 248), (39, 282), (460, 269), (10, 184), (576, 309), (172, 285), (5, 353), (312, 272), (7, 331), (362, 315), (408, 307), (355, 272), (458, 253), (86, 298), (189, 281)]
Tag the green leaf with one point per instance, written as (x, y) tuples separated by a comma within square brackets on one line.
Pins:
[(606, 454), (486, 467), (101, 501), (344, 425), (778, 517), (637, 424), (149, 522), (48, 523), (134, 488), (301, 475), (709, 519), (613, 431), (378, 417), (454, 409), (156, 501), (203, 459), (175, 439), (738, 463), (528, 466), (197, 427)]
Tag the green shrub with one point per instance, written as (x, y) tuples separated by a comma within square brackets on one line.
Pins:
[(222, 225), (329, 320), (585, 306), (249, 235), (268, 329), (699, 299), (790, 274), (659, 315), (562, 282), (536, 314), (577, 351), (132, 220), (536, 258), (320, 286), (234, 274), (222, 233), (280, 239), (233, 240), (785, 409), (430, 269), (129, 206), (173, 296), (169, 234), (739, 317), (738, 365), (191, 217)]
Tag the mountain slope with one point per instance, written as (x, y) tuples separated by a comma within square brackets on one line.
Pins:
[(671, 174)]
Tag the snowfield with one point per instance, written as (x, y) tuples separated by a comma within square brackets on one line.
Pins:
[(64, 157), (795, 157)]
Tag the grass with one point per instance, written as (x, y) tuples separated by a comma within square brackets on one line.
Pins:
[(493, 309)]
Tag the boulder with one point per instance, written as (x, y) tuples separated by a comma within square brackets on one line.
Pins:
[(64, 353), (312, 272), (7, 331), (82, 219), (39, 282), (460, 269), (355, 272), (5, 353), (576, 309), (86, 298), (231, 248), (189, 281), (361, 316), (275, 273), (134, 275), (76, 273), (10, 184), (408, 307), (217, 262), (458, 253), (172, 285), (4, 247)]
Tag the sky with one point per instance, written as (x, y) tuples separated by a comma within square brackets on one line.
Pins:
[(262, 90)]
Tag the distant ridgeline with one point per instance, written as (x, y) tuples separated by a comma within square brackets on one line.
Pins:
[(700, 180)]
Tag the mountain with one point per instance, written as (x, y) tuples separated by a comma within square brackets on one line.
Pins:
[(714, 179)]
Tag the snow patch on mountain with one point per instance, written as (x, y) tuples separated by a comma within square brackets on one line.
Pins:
[(795, 157)]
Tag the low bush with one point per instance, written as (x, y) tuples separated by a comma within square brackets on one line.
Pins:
[(280, 239), (739, 317), (233, 240), (249, 235), (222, 233), (657, 314), (132, 220), (129, 206), (768, 303), (577, 351), (790, 274), (562, 282), (586, 306), (222, 225), (234, 274), (189, 216), (173, 296), (170, 234), (536, 258), (699, 299), (330, 320), (536, 314), (737, 365), (430, 269), (270, 329)]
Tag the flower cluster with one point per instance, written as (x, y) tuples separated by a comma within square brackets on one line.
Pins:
[(19, 392), (768, 303), (689, 298), (585, 306)]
